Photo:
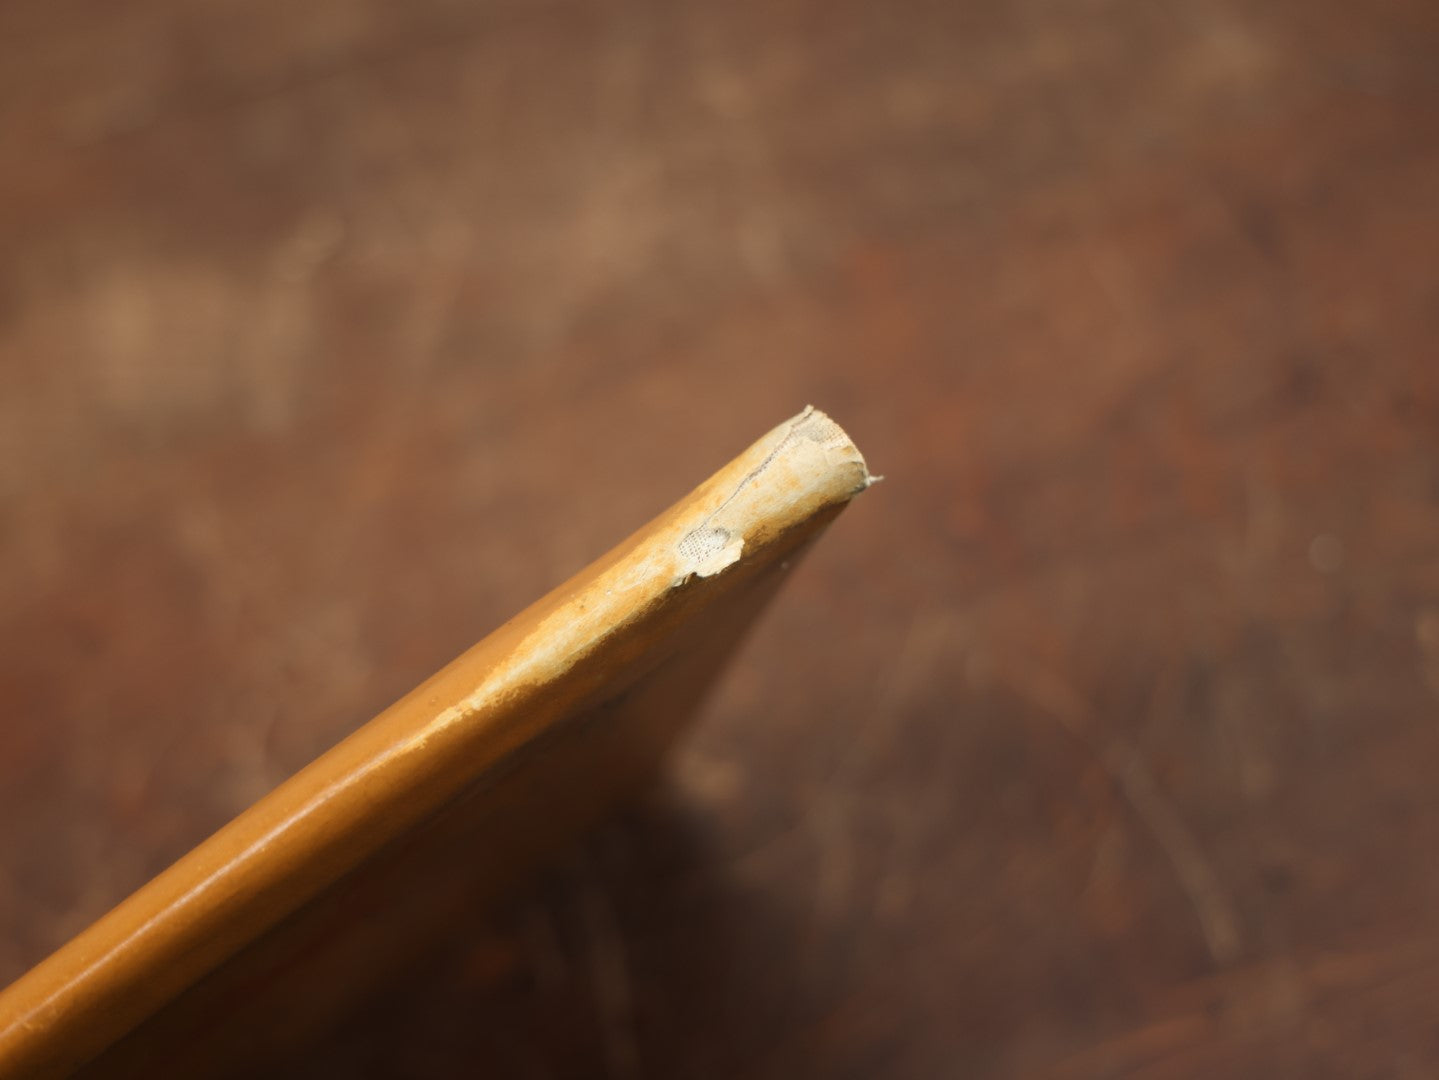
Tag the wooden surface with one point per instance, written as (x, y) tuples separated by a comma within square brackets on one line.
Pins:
[(1103, 743)]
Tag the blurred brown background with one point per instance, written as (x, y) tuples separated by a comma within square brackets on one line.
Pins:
[(1101, 739)]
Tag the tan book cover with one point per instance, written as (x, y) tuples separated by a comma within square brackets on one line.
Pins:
[(264, 930)]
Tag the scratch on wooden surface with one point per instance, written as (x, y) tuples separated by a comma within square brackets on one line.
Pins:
[(828, 820), (1263, 531), (1127, 770), (928, 639), (1237, 721), (1211, 906), (896, 889), (1280, 993), (1426, 633), (834, 878), (1134, 1048)]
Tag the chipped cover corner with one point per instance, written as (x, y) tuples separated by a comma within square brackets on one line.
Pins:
[(807, 459)]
